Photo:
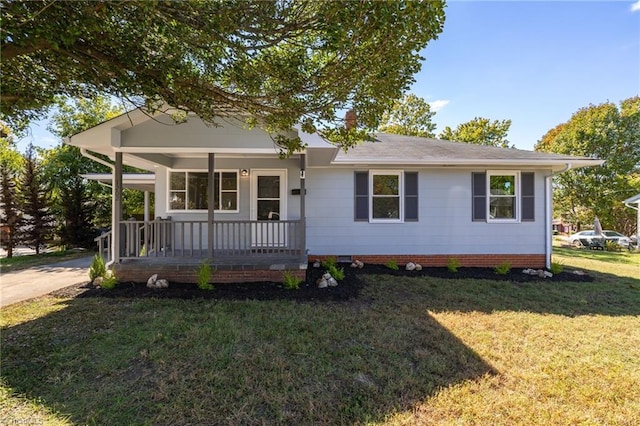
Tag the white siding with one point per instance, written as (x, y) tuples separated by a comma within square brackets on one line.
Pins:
[(444, 226)]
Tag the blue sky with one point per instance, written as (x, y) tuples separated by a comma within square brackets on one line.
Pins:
[(535, 63)]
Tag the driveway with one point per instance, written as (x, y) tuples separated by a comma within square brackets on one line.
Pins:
[(40, 280)]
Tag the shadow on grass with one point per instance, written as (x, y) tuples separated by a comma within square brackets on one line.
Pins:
[(135, 361)]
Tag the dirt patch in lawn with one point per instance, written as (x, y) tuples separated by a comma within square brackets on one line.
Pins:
[(348, 288)]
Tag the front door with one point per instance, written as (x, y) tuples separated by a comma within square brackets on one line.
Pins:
[(268, 207)]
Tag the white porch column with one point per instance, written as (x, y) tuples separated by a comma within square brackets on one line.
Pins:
[(303, 222), (146, 206), (211, 206), (116, 207)]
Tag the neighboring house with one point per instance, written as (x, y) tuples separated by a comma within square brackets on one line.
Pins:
[(398, 198), (629, 203)]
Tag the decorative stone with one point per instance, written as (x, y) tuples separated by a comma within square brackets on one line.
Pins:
[(98, 281), (578, 272), (316, 264), (360, 264), (326, 276), (332, 282), (354, 265), (151, 282), (410, 266), (162, 283), (322, 283), (548, 274), (418, 267)]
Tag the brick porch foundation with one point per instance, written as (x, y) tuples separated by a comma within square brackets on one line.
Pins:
[(188, 273), (437, 260)]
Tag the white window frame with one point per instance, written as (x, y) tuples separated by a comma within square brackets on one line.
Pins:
[(186, 190), (517, 195), (400, 174)]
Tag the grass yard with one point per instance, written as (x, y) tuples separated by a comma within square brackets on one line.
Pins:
[(407, 351), (17, 263)]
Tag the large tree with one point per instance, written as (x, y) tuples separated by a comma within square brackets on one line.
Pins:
[(79, 205), (35, 196), (480, 131), (611, 133), (10, 212), (409, 116), (280, 62)]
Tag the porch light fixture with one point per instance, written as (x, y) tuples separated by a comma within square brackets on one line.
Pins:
[(244, 172)]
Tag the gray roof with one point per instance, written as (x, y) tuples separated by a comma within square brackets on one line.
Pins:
[(391, 149)]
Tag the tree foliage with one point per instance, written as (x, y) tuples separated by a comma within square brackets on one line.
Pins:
[(409, 116), (480, 131), (79, 205), (10, 213), (608, 132), (279, 62), (35, 197)]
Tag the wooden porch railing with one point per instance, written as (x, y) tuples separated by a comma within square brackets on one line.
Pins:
[(168, 238)]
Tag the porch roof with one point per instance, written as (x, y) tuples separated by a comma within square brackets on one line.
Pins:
[(139, 181)]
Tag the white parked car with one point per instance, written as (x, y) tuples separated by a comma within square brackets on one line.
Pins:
[(580, 238)]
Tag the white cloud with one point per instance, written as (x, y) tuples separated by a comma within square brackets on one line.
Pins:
[(635, 6), (441, 103)]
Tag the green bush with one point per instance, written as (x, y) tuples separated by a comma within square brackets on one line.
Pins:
[(204, 273), (290, 281), (612, 246), (556, 268), (392, 264), (109, 282), (503, 268), (453, 264), (329, 262), (336, 273), (98, 268)]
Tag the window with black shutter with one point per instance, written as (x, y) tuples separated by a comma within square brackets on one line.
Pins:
[(479, 196), (361, 202)]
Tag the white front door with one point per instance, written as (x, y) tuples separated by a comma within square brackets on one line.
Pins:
[(268, 207)]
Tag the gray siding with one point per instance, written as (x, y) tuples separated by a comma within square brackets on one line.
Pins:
[(444, 226)]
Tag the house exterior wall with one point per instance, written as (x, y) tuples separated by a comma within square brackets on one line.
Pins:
[(244, 212), (445, 228)]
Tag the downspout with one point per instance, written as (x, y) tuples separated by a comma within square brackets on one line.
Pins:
[(548, 201), (112, 167)]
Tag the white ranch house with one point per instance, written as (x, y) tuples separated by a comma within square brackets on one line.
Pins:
[(398, 198)]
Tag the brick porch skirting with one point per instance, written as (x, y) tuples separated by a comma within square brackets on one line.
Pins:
[(188, 273), (438, 260)]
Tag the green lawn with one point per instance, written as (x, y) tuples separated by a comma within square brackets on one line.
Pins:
[(408, 351), (17, 263)]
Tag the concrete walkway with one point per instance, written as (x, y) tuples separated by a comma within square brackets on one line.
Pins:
[(40, 280)]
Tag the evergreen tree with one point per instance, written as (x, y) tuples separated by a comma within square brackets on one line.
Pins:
[(36, 205), (10, 214)]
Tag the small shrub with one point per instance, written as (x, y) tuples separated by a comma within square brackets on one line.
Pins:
[(392, 264), (329, 262), (204, 273), (453, 264), (503, 268), (556, 268), (109, 282), (612, 246), (336, 273), (98, 268), (290, 281)]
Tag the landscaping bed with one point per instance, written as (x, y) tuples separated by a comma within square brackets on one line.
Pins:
[(348, 288)]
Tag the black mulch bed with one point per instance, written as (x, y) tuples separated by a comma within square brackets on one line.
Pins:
[(348, 288)]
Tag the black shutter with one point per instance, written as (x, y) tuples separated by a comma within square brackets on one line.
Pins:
[(527, 188), (361, 197), (411, 196), (479, 197)]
